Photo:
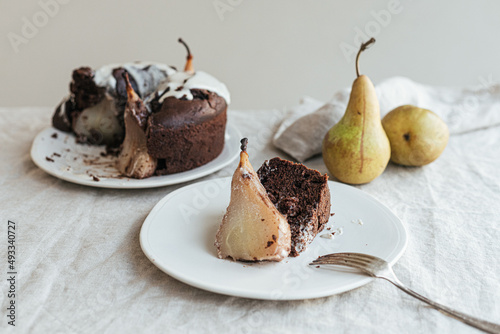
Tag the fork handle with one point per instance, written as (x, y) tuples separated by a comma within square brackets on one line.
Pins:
[(483, 325)]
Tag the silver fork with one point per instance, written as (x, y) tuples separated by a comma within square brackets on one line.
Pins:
[(376, 267)]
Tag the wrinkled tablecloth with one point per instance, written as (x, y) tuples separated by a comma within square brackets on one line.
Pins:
[(81, 268)]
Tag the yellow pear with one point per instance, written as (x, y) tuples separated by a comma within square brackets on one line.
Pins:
[(418, 136), (252, 228), (356, 149)]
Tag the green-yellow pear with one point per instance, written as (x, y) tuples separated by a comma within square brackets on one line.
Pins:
[(418, 136), (356, 149)]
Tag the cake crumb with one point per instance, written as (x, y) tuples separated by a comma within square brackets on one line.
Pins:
[(317, 266), (49, 159), (328, 235), (332, 214), (359, 221), (54, 135), (56, 154), (95, 178), (340, 231)]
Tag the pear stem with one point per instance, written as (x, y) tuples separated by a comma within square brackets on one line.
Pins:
[(189, 59), (244, 143), (362, 48), (128, 86)]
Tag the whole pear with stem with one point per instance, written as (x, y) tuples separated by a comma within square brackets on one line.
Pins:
[(356, 150)]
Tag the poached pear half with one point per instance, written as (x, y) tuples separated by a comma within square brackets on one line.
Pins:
[(356, 150), (252, 228), (134, 159)]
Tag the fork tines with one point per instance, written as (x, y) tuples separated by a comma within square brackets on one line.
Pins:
[(344, 258), (358, 261)]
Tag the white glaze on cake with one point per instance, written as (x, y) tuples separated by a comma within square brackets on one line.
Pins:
[(147, 80), (179, 84), (159, 77)]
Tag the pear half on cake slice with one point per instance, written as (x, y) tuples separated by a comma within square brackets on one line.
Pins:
[(134, 159), (252, 228)]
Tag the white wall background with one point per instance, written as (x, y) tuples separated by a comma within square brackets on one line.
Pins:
[(269, 53)]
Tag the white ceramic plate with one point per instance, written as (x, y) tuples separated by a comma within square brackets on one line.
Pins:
[(63, 158), (178, 237)]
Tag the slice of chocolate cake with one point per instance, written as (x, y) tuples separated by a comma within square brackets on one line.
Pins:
[(301, 195)]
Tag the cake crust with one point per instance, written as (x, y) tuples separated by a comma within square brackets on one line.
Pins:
[(185, 134)]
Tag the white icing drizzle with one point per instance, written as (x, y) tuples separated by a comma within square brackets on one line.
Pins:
[(162, 76), (62, 109), (104, 76), (180, 84)]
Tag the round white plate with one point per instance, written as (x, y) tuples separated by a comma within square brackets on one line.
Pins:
[(178, 237), (61, 156)]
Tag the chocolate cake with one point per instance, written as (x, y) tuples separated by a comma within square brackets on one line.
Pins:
[(93, 111), (301, 195), (185, 121), (196, 127)]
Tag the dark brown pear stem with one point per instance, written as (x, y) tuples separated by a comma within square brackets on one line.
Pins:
[(363, 47), (130, 91), (189, 58), (244, 143)]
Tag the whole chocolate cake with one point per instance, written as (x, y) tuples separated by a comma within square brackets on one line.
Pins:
[(301, 195), (184, 124)]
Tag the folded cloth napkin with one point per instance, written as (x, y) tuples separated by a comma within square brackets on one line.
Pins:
[(462, 109)]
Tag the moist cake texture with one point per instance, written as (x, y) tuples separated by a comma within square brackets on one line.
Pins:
[(301, 195)]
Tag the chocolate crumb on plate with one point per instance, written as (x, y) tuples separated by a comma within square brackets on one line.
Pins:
[(56, 154), (95, 178), (49, 159), (54, 135)]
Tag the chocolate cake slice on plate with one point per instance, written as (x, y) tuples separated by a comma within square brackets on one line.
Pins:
[(301, 195)]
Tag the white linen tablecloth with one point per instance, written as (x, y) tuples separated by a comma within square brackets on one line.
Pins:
[(81, 268)]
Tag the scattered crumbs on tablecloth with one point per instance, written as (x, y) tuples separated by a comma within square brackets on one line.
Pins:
[(49, 159), (359, 222)]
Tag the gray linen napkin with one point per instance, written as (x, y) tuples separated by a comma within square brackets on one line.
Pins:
[(463, 109)]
